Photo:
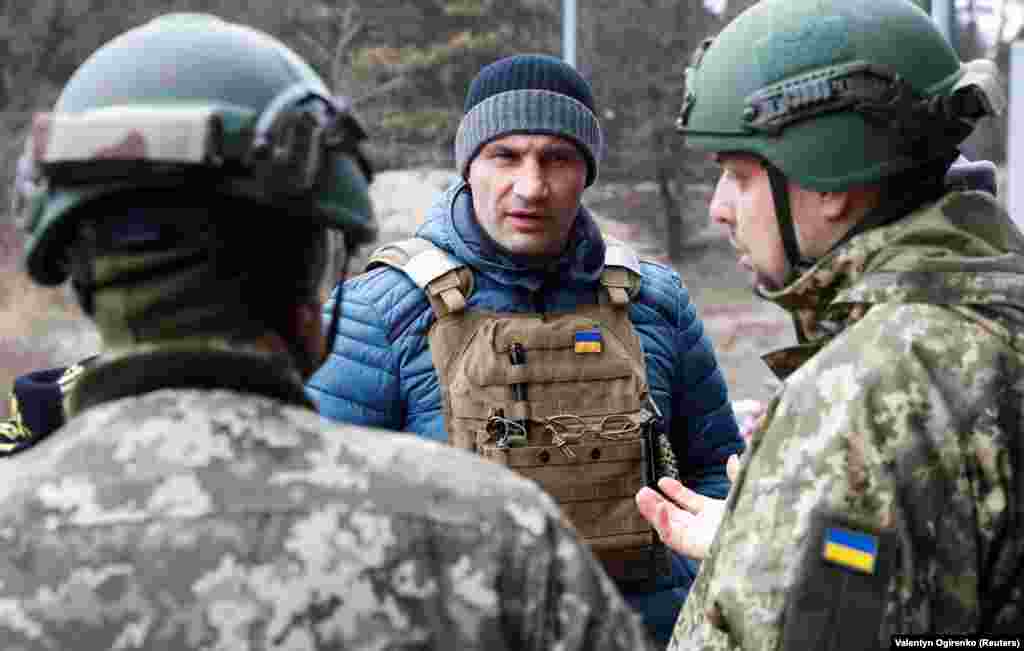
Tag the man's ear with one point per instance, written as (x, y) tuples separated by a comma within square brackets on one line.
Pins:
[(836, 206), (849, 205)]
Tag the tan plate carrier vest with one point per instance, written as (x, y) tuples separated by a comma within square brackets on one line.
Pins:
[(582, 403)]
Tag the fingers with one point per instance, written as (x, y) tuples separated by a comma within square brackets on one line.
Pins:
[(654, 509), (682, 531), (679, 530), (657, 511), (647, 501), (662, 523), (732, 468), (681, 495)]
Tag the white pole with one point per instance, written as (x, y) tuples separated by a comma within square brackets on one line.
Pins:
[(569, 32), (1015, 136)]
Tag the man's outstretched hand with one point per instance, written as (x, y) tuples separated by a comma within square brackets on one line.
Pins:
[(687, 521)]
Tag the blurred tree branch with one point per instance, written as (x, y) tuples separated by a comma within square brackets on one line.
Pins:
[(338, 28)]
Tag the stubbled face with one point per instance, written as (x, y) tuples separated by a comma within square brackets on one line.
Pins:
[(743, 204), (527, 190)]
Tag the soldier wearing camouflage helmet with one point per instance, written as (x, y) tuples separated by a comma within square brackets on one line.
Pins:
[(186, 181), (883, 491)]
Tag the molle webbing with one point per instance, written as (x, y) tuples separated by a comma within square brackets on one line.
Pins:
[(577, 433), (558, 397), (448, 283)]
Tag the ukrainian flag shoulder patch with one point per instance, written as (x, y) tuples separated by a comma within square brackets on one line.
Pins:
[(851, 549), (588, 341)]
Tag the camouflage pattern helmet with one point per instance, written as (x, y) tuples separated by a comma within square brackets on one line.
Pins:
[(190, 100), (835, 93)]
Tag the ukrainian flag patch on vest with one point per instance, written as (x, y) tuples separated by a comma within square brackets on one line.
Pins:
[(851, 549), (588, 341)]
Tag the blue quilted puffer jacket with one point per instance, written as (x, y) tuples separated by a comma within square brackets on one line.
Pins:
[(380, 372)]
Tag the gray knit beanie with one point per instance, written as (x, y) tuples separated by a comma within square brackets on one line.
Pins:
[(529, 93)]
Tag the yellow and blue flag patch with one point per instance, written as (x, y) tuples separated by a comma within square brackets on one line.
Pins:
[(588, 341), (851, 549)]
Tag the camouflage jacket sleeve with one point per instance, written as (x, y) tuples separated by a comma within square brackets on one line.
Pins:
[(898, 429)]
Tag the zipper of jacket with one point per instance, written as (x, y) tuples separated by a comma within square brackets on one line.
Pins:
[(537, 302), (537, 298)]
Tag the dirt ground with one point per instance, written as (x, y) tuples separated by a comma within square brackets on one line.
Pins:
[(42, 328)]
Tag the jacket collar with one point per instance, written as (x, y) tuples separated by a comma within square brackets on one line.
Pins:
[(959, 250), (188, 367), (452, 225)]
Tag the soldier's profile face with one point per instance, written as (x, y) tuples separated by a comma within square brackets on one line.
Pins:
[(743, 204), (526, 191)]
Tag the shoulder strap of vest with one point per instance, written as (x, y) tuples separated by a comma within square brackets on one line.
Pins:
[(621, 275), (446, 281)]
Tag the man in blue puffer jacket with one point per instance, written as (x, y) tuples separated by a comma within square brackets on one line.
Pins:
[(527, 147)]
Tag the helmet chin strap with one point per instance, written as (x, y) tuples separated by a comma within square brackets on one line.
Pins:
[(780, 195)]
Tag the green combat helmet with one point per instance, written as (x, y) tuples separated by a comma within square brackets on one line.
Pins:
[(189, 100), (834, 94)]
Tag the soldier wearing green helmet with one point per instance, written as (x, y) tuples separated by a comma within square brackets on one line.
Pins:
[(882, 491), (186, 182)]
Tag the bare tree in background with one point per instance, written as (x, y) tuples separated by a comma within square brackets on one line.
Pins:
[(635, 55), (329, 37)]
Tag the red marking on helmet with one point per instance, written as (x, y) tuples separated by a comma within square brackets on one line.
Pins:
[(40, 136), (131, 147)]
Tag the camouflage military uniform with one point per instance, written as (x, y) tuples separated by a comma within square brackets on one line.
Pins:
[(187, 181), (900, 418), (236, 518)]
